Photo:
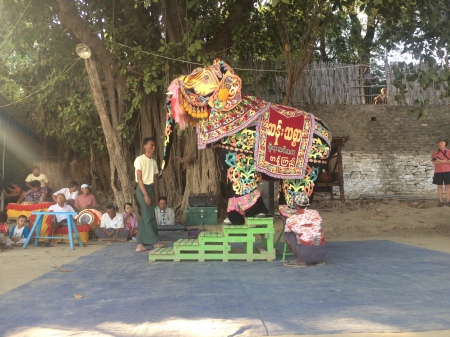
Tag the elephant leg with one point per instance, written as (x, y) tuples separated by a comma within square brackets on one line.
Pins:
[(290, 187), (258, 208), (236, 218), (235, 153)]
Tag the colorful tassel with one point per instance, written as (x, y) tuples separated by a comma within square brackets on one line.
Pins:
[(223, 94)]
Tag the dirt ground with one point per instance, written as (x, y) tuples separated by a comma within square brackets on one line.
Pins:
[(413, 222)]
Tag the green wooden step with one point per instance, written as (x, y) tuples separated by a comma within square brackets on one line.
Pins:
[(239, 239), (262, 255), (195, 245), (210, 234), (210, 237), (216, 246), (202, 249), (235, 226), (186, 242), (260, 222), (163, 251), (247, 231)]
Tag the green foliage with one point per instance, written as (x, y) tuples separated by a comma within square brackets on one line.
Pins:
[(39, 65), (428, 75), (50, 81)]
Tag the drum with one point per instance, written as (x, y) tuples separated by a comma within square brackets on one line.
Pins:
[(90, 217), (86, 220)]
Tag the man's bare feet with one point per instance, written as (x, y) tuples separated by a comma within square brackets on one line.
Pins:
[(141, 248)]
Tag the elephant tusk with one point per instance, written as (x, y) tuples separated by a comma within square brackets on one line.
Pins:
[(169, 93)]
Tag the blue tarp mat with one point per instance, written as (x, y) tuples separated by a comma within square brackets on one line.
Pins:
[(365, 286)]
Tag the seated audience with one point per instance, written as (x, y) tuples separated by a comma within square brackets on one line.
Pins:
[(130, 220), (35, 194), (70, 193), (36, 175), (164, 215), (19, 233), (86, 199), (59, 219), (303, 234), (3, 229), (111, 225)]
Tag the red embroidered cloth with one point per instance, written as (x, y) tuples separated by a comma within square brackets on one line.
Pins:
[(65, 229), (284, 141), (225, 123), (29, 207)]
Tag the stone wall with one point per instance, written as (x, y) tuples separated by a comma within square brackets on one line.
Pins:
[(389, 150)]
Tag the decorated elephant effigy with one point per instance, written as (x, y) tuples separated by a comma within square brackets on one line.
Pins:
[(253, 138)]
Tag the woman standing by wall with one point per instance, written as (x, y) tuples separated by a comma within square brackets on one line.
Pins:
[(441, 160)]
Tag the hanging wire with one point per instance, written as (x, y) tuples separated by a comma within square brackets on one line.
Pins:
[(156, 55), (242, 69)]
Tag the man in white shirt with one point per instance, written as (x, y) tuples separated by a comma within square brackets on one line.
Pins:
[(71, 193), (59, 219), (111, 225), (36, 175), (146, 175)]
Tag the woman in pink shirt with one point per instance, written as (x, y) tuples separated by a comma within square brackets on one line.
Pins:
[(130, 220), (441, 160)]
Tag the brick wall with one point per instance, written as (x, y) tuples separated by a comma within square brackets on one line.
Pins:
[(389, 150)]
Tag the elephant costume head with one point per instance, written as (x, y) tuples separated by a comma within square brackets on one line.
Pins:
[(194, 96)]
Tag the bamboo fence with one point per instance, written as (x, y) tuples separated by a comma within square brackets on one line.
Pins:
[(330, 83)]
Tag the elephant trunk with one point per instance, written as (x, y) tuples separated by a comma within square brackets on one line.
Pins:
[(178, 114), (168, 135)]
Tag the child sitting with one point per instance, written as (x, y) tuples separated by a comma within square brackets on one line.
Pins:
[(3, 229), (35, 194), (19, 232), (130, 221)]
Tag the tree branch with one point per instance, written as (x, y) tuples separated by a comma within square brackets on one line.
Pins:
[(223, 37)]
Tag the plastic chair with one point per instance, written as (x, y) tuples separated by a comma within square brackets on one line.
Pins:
[(285, 250)]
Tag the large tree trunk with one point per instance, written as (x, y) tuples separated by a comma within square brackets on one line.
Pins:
[(109, 118), (122, 188), (189, 171), (202, 172), (364, 43)]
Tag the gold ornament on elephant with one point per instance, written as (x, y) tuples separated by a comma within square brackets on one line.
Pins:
[(207, 88)]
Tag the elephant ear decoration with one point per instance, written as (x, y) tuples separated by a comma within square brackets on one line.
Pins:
[(195, 96), (228, 95)]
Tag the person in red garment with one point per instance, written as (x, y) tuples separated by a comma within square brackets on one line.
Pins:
[(441, 160), (303, 234)]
